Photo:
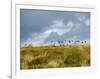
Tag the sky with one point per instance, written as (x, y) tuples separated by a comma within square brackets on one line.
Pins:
[(44, 26)]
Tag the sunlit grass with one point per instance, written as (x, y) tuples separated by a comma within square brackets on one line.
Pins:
[(54, 56)]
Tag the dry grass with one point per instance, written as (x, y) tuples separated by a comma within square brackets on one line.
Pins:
[(54, 56)]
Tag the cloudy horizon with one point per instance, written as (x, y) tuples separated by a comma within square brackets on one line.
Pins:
[(42, 26)]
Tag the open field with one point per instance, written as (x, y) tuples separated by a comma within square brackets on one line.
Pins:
[(54, 56)]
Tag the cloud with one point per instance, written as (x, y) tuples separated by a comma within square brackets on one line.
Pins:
[(81, 18), (59, 26), (87, 22), (70, 24), (62, 27), (40, 37), (84, 19), (37, 25)]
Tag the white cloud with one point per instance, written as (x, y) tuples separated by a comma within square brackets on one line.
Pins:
[(36, 39), (58, 24), (59, 31), (81, 18), (70, 24), (84, 19), (87, 22), (39, 37), (61, 27)]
